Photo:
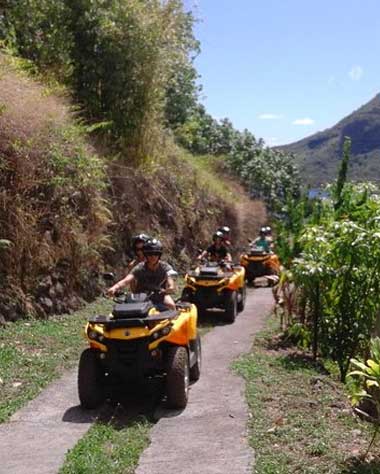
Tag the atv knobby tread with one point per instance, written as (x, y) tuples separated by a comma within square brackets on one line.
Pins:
[(177, 370), (195, 370), (90, 390), (230, 309), (241, 304)]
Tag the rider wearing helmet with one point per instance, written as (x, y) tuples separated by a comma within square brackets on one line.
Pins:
[(262, 241), (226, 231), (137, 244), (149, 275), (217, 251), (268, 234)]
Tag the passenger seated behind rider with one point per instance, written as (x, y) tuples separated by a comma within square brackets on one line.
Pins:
[(217, 251), (269, 236), (149, 275), (226, 231), (262, 241), (137, 244)]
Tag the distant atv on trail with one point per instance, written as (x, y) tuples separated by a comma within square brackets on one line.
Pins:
[(137, 342), (216, 285), (258, 263)]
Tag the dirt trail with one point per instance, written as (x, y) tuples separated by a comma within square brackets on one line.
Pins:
[(207, 437), (251, 215)]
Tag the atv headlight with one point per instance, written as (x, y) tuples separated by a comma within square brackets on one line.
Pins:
[(161, 333), (94, 335)]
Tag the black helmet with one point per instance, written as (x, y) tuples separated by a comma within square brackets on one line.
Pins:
[(139, 238), (263, 230), (268, 230), (224, 230), (152, 247), (218, 234)]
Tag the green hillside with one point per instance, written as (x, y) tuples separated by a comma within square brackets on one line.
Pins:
[(102, 136), (319, 154)]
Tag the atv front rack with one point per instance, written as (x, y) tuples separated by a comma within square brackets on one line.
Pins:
[(132, 322)]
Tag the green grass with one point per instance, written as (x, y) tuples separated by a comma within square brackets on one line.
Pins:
[(108, 449), (33, 353), (300, 418), (209, 175)]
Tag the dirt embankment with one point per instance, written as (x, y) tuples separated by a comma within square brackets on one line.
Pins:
[(69, 211)]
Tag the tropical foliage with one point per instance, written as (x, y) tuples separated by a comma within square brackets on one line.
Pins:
[(129, 63), (268, 174), (336, 264), (367, 386)]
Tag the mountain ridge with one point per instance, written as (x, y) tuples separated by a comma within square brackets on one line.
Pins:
[(318, 155)]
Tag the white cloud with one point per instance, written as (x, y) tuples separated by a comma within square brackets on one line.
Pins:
[(356, 73), (331, 81), (270, 117), (304, 121)]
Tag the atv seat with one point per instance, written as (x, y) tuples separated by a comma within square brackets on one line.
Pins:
[(208, 271), (257, 252), (132, 310)]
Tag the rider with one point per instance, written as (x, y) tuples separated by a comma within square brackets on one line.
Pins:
[(216, 251), (262, 241), (226, 231), (137, 242), (149, 275), (268, 234)]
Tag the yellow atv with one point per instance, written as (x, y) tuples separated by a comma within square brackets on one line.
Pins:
[(258, 263), (216, 285), (137, 342)]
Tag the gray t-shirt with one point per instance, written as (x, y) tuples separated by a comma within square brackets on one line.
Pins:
[(148, 280)]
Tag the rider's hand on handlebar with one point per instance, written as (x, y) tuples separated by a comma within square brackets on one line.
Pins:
[(113, 291)]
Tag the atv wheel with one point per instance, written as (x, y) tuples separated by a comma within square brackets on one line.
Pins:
[(243, 296), (177, 377), (202, 312), (187, 295), (90, 390), (195, 370), (230, 308)]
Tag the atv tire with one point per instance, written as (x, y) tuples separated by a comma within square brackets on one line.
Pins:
[(230, 308), (177, 377), (187, 296), (90, 389), (195, 370), (241, 303)]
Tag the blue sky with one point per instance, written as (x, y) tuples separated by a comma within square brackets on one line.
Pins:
[(285, 69)]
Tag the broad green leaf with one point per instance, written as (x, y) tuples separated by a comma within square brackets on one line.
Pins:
[(359, 364)]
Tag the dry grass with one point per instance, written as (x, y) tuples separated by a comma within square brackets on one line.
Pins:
[(51, 207), (55, 196), (28, 110)]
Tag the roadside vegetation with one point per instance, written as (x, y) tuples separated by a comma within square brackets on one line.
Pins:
[(103, 136), (300, 416), (33, 353), (329, 294)]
